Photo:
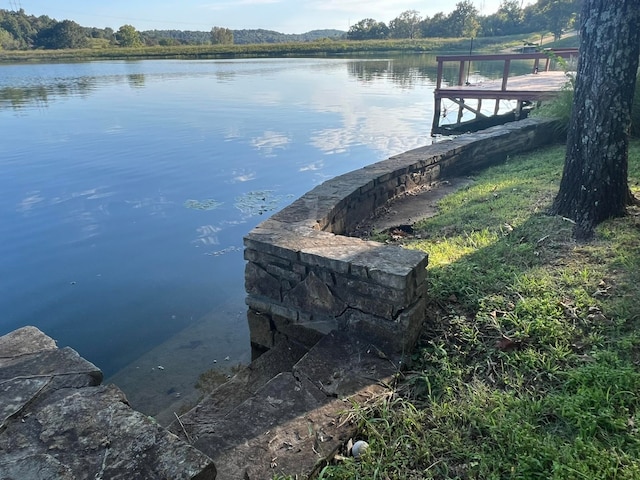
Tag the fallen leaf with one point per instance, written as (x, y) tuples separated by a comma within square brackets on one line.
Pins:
[(506, 344)]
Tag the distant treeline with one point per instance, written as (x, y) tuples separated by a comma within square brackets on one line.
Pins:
[(19, 31), (555, 16), (238, 37)]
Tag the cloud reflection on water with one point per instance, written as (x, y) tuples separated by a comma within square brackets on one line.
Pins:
[(270, 141)]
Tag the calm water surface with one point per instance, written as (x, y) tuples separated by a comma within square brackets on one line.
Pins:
[(126, 187)]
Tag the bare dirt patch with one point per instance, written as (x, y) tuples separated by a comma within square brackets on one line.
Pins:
[(402, 212)]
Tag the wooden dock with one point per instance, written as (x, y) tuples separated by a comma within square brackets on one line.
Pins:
[(542, 83)]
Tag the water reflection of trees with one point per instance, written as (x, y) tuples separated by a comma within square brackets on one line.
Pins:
[(407, 71), (17, 97), (225, 77), (41, 95), (136, 80), (11, 97), (367, 71), (404, 71)]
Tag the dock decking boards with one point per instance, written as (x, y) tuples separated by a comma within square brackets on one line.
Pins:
[(542, 84)]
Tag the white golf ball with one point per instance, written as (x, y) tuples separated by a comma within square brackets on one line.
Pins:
[(359, 448)]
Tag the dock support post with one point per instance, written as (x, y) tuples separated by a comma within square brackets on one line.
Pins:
[(519, 109), (461, 73), (505, 74), (437, 111)]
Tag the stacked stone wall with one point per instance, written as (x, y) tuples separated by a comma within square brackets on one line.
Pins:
[(304, 277)]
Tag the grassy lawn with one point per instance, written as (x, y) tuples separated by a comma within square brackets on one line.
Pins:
[(528, 366)]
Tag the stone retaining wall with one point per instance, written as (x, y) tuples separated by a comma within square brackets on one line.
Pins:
[(304, 277)]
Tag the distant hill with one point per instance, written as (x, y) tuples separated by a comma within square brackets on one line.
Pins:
[(243, 36)]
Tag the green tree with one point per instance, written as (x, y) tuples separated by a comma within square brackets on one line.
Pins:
[(594, 184), (368, 29), (18, 25), (65, 34), (406, 25), (168, 42), (463, 21), (41, 22), (511, 15), (221, 36), (7, 42), (558, 15), (436, 26), (128, 36), (508, 20)]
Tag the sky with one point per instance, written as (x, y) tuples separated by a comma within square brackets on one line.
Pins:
[(285, 16)]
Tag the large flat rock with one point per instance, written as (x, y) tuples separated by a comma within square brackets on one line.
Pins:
[(58, 422), (92, 433), (23, 341)]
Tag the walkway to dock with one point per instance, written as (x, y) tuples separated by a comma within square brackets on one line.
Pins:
[(541, 84)]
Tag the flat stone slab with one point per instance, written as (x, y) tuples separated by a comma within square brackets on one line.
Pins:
[(58, 422), (23, 341), (295, 423), (65, 366), (238, 389), (92, 433), (288, 427), (344, 364)]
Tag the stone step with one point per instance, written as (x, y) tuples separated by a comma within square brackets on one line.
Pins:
[(58, 422), (297, 420), (238, 389)]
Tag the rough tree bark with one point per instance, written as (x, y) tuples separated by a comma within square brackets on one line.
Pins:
[(594, 182)]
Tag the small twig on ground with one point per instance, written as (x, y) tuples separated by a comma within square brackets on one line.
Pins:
[(183, 429)]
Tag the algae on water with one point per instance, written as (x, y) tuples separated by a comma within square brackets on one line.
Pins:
[(258, 202), (207, 204)]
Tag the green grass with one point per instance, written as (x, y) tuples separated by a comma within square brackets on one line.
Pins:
[(528, 366), (562, 106), (567, 42)]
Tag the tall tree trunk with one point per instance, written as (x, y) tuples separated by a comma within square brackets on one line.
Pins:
[(594, 182)]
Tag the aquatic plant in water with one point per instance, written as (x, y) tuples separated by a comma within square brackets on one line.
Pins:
[(206, 204), (258, 202)]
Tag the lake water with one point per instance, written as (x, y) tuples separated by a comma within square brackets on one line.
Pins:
[(126, 188)]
